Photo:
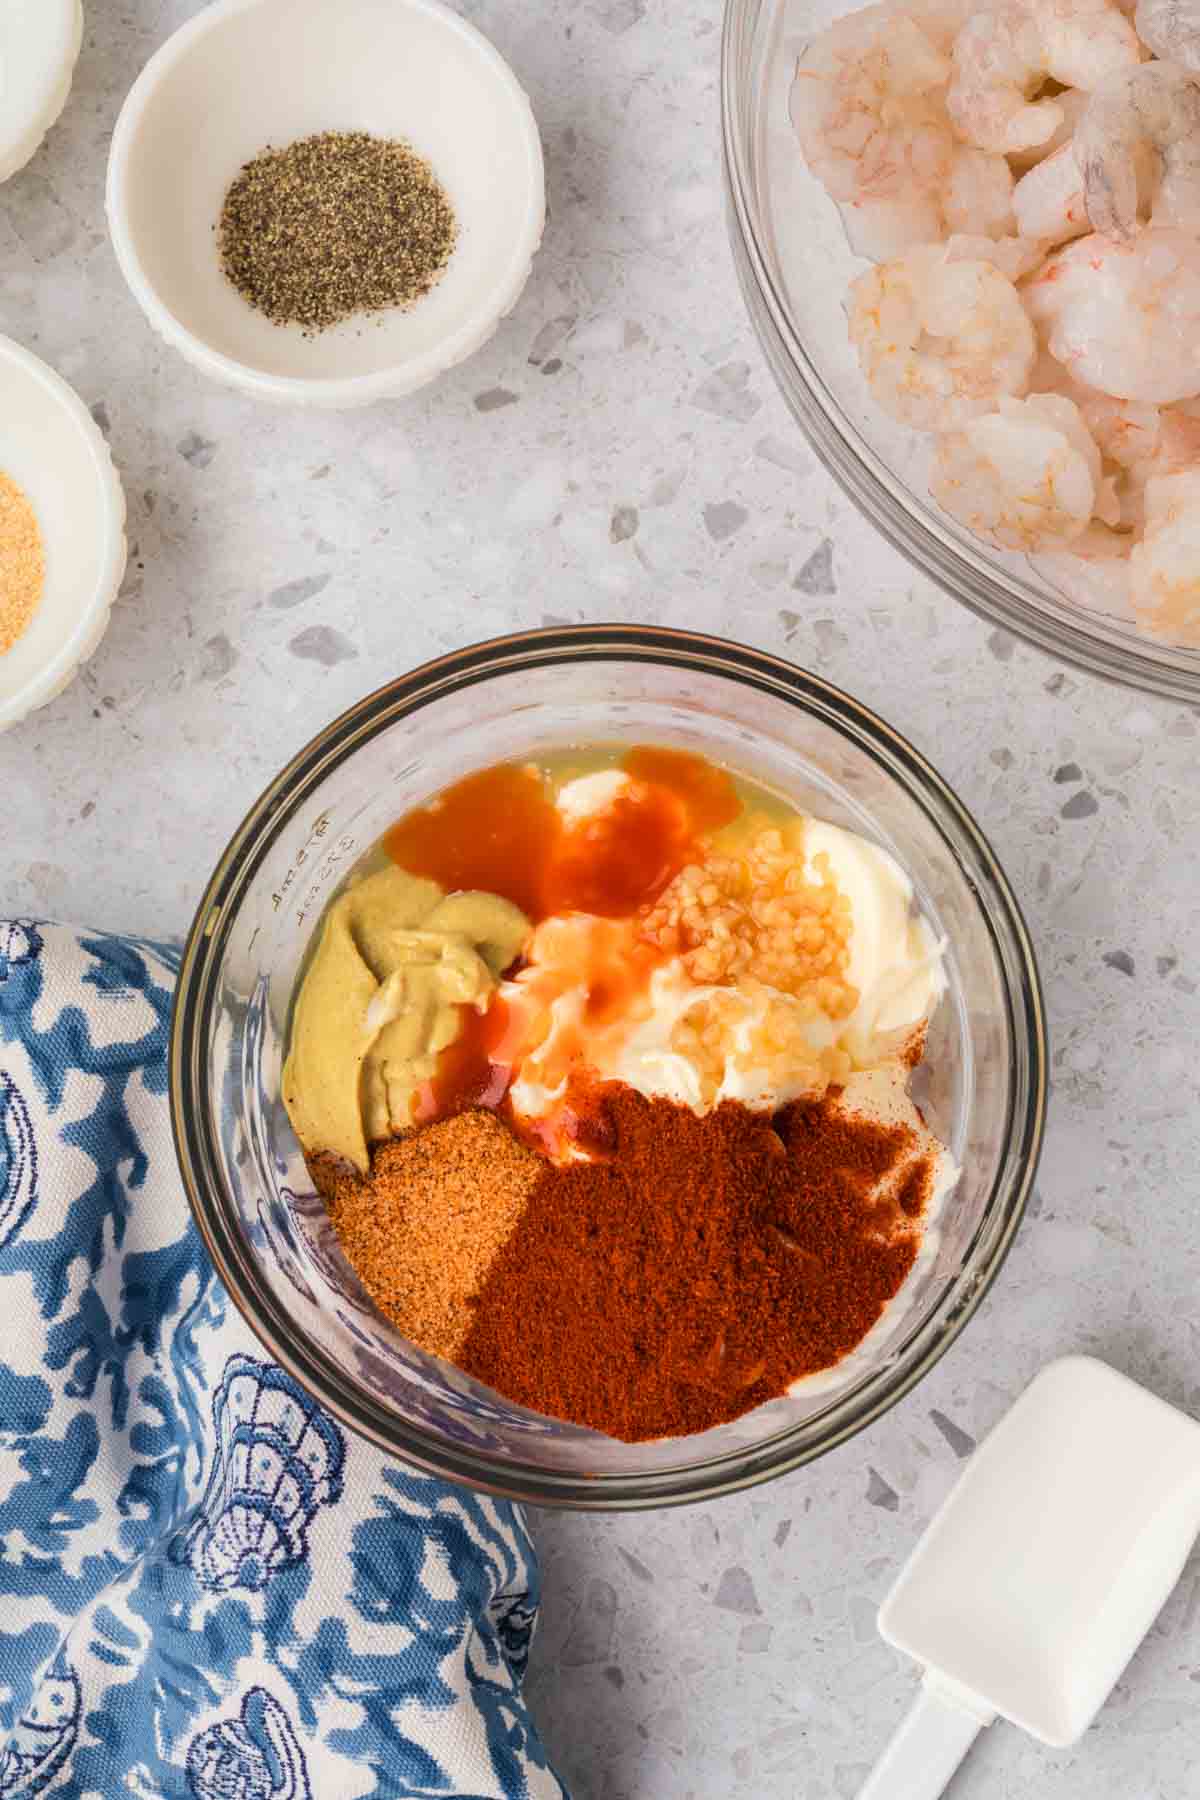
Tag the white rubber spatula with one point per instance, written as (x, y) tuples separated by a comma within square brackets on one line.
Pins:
[(1043, 1571)]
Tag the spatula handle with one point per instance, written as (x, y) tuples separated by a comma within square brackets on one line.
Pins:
[(928, 1747)]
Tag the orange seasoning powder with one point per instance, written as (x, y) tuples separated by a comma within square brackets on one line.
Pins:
[(424, 1228), (22, 563), (699, 1266), (693, 1270)]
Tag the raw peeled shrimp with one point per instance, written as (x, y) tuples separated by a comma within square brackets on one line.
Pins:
[(1105, 419), (1140, 444), (1127, 434), (867, 104), (1086, 40), (1023, 477), (1049, 377), (1164, 567), (975, 196), (978, 195), (1048, 200), (1070, 103), (1128, 437), (1179, 438), (1093, 570), (941, 20), (882, 229), (1003, 57), (1125, 318), (1155, 110), (999, 59), (1013, 256), (934, 130), (1171, 28), (940, 341)]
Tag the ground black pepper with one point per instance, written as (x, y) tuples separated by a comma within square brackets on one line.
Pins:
[(335, 225)]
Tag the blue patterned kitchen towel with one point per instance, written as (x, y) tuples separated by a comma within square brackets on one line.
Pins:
[(207, 1588)]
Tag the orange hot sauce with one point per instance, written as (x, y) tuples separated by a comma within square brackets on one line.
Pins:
[(493, 831), (500, 831)]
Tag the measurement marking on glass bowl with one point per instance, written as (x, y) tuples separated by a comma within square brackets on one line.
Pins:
[(330, 869), (315, 836)]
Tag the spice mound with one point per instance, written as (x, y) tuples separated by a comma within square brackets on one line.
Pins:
[(335, 225), (22, 563), (602, 1064), (695, 1269), (425, 1228)]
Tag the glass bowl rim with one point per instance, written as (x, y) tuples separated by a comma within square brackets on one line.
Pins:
[(1085, 640), (316, 1371)]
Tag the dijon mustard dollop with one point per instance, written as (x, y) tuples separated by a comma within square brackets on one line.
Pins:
[(397, 958)]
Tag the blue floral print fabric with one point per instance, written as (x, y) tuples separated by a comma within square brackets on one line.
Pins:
[(208, 1589)]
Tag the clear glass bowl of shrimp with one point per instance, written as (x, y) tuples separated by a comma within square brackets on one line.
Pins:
[(1007, 392)]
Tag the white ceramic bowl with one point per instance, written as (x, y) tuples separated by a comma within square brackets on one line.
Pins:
[(248, 73), (39, 47), (52, 448)]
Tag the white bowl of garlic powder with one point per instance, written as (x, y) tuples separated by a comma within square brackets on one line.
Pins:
[(55, 464)]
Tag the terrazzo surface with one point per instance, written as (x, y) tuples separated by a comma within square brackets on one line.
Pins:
[(618, 453)]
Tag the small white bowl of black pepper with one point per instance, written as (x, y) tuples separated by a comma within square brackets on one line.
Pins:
[(326, 202)]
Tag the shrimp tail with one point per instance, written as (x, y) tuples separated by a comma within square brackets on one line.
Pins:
[(1109, 193), (1149, 112), (1171, 28)]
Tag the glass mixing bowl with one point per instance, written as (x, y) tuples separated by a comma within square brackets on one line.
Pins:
[(985, 1076), (795, 267)]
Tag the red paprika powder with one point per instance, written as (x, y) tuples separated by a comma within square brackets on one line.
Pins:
[(699, 1266)]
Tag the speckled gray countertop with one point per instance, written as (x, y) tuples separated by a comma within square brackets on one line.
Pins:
[(618, 452)]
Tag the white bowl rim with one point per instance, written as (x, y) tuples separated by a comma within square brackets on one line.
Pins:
[(401, 377), (53, 676), (22, 134)]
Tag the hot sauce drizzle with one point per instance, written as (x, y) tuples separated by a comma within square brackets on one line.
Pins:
[(501, 832), (706, 792), (469, 1072), (493, 831)]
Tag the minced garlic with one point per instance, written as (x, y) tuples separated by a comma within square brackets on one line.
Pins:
[(750, 912)]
